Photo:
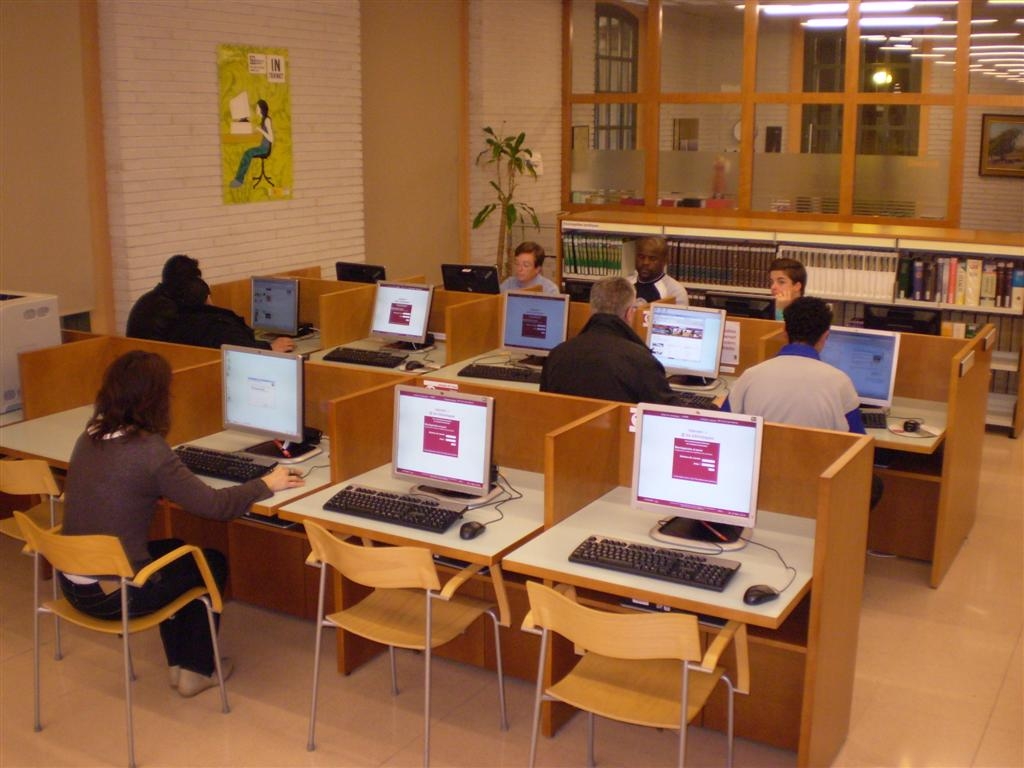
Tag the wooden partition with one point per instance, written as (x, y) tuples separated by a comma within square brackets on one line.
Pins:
[(472, 327), (313, 271), (760, 339)]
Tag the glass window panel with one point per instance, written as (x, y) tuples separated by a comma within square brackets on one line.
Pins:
[(604, 172), (898, 51), (777, 38), (697, 159), (997, 49), (702, 49), (796, 158), (605, 46)]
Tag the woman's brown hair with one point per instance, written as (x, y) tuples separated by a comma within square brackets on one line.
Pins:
[(135, 396)]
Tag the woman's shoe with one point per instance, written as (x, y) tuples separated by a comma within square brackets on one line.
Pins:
[(190, 683)]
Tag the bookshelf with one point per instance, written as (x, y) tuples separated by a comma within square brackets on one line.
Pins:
[(968, 276)]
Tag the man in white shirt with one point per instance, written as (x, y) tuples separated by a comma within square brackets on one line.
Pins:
[(651, 280), (528, 259)]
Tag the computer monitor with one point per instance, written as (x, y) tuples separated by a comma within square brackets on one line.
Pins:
[(359, 272), (699, 468), (470, 278), (534, 323), (688, 342), (275, 305), (741, 305), (442, 442), (869, 358), (263, 395), (907, 319), (578, 290), (401, 312)]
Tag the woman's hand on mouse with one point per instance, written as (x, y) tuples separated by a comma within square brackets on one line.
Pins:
[(281, 478)]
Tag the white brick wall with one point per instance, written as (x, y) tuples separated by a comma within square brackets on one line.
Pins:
[(159, 80)]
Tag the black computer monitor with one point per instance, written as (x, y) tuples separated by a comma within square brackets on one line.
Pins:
[(470, 278), (401, 312), (700, 468), (741, 305), (907, 319), (442, 441), (869, 358), (578, 290), (263, 395), (687, 341), (534, 323), (275, 305), (359, 272)]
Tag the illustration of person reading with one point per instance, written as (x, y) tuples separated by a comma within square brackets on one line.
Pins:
[(262, 151)]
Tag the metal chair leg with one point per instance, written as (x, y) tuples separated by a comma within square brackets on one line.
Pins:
[(36, 608), (216, 655), (310, 739), (394, 670), (538, 696), (591, 762), (501, 675), (128, 675)]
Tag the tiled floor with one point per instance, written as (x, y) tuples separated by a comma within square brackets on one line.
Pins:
[(938, 683)]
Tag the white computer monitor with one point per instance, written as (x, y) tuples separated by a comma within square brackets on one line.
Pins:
[(869, 358), (700, 469), (534, 323), (263, 395), (687, 341), (442, 442), (275, 305), (401, 312)]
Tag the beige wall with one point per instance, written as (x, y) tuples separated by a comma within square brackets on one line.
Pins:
[(412, 124)]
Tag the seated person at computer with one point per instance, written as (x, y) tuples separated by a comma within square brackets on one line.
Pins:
[(527, 261), (787, 280), (607, 360), (120, 468), (202, 324), (155, 311), (651, 280)]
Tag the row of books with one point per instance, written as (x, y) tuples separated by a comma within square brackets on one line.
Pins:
[(586, 253), (864, 275), (970, 282), (720, 263)]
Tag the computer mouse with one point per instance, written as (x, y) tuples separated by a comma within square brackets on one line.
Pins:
[(471, 529), (759, 593), (415, 365)]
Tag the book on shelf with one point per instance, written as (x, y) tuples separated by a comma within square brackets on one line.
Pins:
[(987, 297), (1017, 289), (972, 286)]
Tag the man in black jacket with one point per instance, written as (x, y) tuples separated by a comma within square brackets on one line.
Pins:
[(204, 325), (156, 311), (607, 360)]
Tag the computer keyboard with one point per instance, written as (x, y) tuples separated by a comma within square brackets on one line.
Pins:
[(412, 510), (662, 563), (691, 399), (873, 418), (366, 357), (502, 372), (235, 467)]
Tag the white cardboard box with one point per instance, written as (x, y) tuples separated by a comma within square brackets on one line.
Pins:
[(27, 321)]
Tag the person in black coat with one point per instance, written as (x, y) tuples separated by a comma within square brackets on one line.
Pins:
[(156, 311), (202, 324)]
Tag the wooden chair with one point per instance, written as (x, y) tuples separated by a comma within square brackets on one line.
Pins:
[(404, 608), (104, 556), (637, 668)]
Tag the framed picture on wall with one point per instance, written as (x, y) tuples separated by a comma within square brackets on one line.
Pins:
[(1002, 146)]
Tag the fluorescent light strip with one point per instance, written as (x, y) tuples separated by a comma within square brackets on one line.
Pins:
[(926, 55), (875, 21), (980, 35)]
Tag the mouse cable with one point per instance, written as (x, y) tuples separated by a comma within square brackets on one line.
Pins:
[(782, 560), (304, 475), (511, 494)]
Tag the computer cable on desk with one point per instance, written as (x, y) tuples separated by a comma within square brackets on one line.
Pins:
[(511, 494), (785, 565)]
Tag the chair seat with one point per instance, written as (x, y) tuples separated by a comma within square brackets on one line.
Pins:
[(397, 617), (644, 692), (68, 612)]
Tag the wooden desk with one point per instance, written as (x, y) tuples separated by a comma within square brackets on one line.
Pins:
[(50, 438), (450, 373)]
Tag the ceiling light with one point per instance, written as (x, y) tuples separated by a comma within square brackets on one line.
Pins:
[(810, 9), (926, 55), (900, 21), (979, 35)]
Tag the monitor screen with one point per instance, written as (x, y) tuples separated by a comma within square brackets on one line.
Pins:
[(906, 319), (578, 290), (740, 305), (442, 439), (262, 392), (275, 305), (534, 322), (697, 465), (359, 272), (869, 358), (687, 340), (401, 311), (470, 278)]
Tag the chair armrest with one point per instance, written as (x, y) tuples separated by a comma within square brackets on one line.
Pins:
[(456, 581), (734, 632), (143, 575), (528, 626)]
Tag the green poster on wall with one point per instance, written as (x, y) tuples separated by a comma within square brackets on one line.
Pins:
[(255, 124)]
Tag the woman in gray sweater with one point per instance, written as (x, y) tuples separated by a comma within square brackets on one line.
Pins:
[(120, 467)]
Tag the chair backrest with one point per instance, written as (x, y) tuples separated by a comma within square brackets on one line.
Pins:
[(27, 477), (93, 555), (375, 567), (618, 635)]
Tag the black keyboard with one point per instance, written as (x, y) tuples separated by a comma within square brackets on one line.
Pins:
[(662, 563), (235, 467), (502, 372), (690, 399), (411, 510), (366, 357), (873, 419)]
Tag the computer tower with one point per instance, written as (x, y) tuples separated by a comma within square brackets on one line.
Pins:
[(27, 321)]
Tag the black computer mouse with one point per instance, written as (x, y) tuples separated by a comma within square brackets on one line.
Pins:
[(471, 529), (415, 365), (759, 593)]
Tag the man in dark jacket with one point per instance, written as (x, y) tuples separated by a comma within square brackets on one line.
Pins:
[(204, 325), (156, 311), (607, 360)]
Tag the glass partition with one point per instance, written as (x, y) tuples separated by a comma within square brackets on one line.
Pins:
[(714, 29), (997, 48), (697, 161), (603, 174)]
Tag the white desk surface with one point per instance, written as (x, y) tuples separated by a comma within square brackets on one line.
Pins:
[(522, 519), (432, 358), (450, 373), (51, 438), (931, 412), (547, 557)]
